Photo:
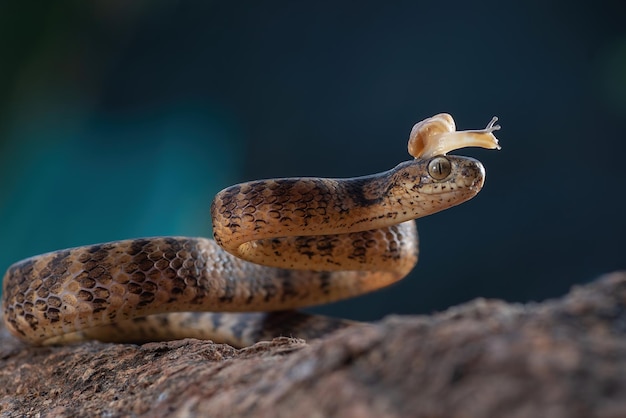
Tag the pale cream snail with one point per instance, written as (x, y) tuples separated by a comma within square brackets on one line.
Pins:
[(437, 135)]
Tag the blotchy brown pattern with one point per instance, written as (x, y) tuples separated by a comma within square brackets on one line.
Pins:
[(321, 240)]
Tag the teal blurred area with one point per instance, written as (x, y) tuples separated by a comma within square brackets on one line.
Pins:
[(122, 119), (76, 170), (75, 178)]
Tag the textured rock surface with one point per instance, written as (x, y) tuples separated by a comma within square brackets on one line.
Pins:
[(560, 358)]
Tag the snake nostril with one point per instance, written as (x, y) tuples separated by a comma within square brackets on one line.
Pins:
[(479, 180)]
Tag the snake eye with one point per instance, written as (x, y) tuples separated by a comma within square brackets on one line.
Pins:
[(439, 168)]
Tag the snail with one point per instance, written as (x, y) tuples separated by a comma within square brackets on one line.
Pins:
[(437, 135)]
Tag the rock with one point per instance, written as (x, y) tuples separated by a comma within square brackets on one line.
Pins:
[(560, 358)]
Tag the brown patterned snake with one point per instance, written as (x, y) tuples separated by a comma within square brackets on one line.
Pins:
[(320, 240)]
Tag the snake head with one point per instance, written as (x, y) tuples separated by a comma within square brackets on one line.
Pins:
[(430, 185), (445, 173)]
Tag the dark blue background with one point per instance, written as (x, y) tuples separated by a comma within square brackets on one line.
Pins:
[(122, 119)]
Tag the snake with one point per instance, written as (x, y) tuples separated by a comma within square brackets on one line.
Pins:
[(278, 245)]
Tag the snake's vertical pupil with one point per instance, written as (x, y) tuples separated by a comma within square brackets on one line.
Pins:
[(439, 168)]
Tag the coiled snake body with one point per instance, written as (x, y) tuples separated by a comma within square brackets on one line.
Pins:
[(320, 240)]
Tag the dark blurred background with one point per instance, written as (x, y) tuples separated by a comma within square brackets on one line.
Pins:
[(122, 119)]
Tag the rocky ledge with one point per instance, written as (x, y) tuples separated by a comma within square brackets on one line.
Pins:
[(560, 358)]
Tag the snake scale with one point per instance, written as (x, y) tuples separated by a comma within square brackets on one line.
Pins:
[(279, 244)]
